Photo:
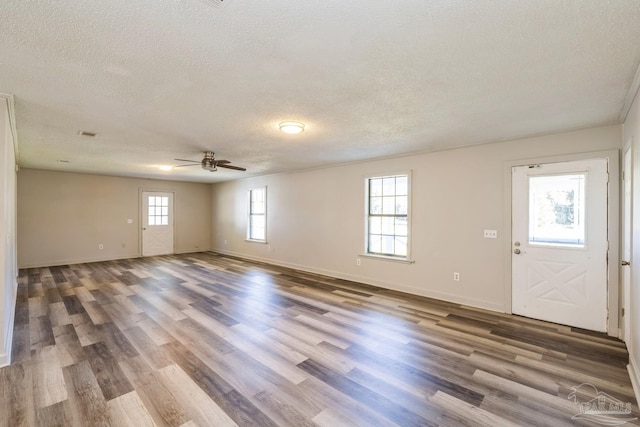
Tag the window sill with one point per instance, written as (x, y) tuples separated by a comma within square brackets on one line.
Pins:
[(264, 242), (388, 258)]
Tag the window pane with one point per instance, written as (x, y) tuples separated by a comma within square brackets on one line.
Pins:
[(375, 187), (388, 225), (401, 227), (165, 211), (389, 186), (557, 210), (387, 245), (375, 225), (375, 244), (375, 206), (152, 220), (402, 186), (400, 246), (165, 220), (388, 205), (164, 201), (401, 205), (152, 201)]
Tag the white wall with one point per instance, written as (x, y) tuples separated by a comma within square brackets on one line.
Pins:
[(316, 218), (8, 265), (631, 132), (63, 217)]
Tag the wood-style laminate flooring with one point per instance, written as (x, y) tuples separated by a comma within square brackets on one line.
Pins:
[(208, 340)]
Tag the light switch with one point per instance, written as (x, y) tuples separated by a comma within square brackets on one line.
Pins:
[(129, 221)]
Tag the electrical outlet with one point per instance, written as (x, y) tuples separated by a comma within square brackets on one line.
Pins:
[(456, 276), (100, 246), (358, 261), (490, 234)]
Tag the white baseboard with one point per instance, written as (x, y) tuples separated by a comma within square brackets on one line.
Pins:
[(634, 374), (73, 261), (368, 281), (5, 357)]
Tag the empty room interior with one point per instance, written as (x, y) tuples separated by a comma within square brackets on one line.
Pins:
[(356, 213)]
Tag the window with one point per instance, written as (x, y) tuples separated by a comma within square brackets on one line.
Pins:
[(158, 210), (257, 221), (388, 216), (557, 210)]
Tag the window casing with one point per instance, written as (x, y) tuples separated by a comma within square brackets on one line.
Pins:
[(388, 216), (257, 215)]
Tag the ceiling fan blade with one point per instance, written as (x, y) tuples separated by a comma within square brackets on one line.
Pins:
[(238, 168), (184, 166), (222, 162), (185, 160)]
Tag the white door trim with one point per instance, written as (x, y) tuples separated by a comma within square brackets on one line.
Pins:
[(613, 220)]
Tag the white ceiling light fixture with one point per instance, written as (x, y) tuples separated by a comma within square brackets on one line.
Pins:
[(291, 127), (165, 168)]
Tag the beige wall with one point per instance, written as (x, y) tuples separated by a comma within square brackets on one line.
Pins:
[(631, 133), (8, 268), (316, 218), (63, 217)]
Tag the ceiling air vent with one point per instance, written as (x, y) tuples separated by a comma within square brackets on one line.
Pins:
[(217, 3), (87, 134)]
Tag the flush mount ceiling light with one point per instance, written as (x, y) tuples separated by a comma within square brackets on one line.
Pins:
[(165, 168), (291, 127)]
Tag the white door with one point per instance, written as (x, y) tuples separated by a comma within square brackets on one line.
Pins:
[(625, 274), (157, 223), (559, 248)]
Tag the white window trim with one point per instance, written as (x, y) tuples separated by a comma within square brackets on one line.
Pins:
[(406, 259), (249, 239)]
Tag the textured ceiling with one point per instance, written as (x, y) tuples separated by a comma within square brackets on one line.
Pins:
[(164, 79)]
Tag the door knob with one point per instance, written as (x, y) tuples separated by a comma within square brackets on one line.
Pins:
[(625, 263), (144, 228), (516, 251)]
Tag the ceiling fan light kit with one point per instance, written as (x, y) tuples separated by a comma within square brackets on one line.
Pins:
[(291, 127)]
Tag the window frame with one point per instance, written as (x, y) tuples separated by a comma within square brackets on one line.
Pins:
[(367, 217), (250, 214)]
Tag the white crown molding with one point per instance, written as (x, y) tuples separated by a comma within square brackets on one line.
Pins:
[(631, 96), (11, 108)]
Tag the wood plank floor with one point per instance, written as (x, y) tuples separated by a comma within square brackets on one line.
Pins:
[(208, 340)]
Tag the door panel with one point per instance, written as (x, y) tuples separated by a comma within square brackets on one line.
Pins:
[(157, 223), (559, 259)]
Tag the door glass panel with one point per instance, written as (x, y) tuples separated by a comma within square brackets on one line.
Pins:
[(557, 210), (158, 210)]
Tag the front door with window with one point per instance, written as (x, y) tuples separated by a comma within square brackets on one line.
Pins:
[(157, 223), (559, 248)]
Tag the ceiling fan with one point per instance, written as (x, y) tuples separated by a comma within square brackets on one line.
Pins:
[(210, 163)]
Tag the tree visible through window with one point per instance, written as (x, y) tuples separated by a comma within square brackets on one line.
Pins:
[(388, 216), (257, 221)]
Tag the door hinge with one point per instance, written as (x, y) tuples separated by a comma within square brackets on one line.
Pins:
[(622, 311)]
